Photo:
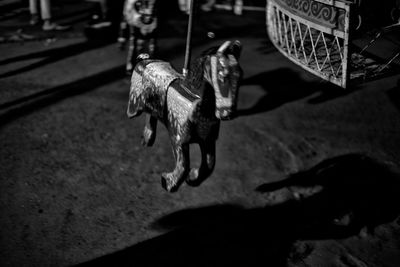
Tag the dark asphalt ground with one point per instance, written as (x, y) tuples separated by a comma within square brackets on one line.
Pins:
[(307, 175)]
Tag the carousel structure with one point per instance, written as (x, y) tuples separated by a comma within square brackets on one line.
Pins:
[(332, 38)]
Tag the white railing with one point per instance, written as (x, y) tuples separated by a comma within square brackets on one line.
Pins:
[(313, 34)]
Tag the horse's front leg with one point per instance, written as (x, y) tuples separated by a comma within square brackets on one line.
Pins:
[(172, 180), (197, 176), (149, 131)]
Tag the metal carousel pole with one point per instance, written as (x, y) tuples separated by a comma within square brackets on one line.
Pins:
[(188, 39)]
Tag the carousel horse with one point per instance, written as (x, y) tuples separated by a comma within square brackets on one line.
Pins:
[(190, 106), (140, 25)]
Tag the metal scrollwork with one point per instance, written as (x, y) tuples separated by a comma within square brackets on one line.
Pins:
[(324, 14)]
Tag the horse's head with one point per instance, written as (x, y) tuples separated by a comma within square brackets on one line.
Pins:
[(223, 72)]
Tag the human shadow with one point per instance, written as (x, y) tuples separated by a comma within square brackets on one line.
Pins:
[(354, 186), (394, 95), (229, 235), (50, 56), (25, 105), (285, 85)]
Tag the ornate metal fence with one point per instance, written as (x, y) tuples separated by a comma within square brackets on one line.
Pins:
[(313, 34), (317, 34)]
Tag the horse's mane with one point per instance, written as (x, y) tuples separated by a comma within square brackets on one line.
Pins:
[(194, 79)]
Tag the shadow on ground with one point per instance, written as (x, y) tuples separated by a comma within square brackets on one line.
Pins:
[(12, 110), (50, 56), (394, 95), (285, 85), (333, 200)]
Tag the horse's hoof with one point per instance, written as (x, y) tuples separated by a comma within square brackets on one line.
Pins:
[(147, 141), (168, 184), (193, 177), (148, 137)]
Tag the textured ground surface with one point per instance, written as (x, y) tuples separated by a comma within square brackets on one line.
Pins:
[(307, 175)]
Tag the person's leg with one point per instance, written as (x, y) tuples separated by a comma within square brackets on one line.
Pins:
[(33, 9), (48, 25), (45, 10), (46, 14), (238, 7), (104, 9)]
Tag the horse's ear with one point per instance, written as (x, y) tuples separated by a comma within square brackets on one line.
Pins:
[(223, 47), (236, 48)]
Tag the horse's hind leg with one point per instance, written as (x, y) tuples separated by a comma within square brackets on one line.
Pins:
[(149, 131), (172, 180), (197, 176)]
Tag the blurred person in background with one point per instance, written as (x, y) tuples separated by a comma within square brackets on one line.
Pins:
[(184, 6), (235, 5), (45, 15)]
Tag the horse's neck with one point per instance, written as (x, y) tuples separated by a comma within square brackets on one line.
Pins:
[(207, 102), (195, 77), (199, 85)]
